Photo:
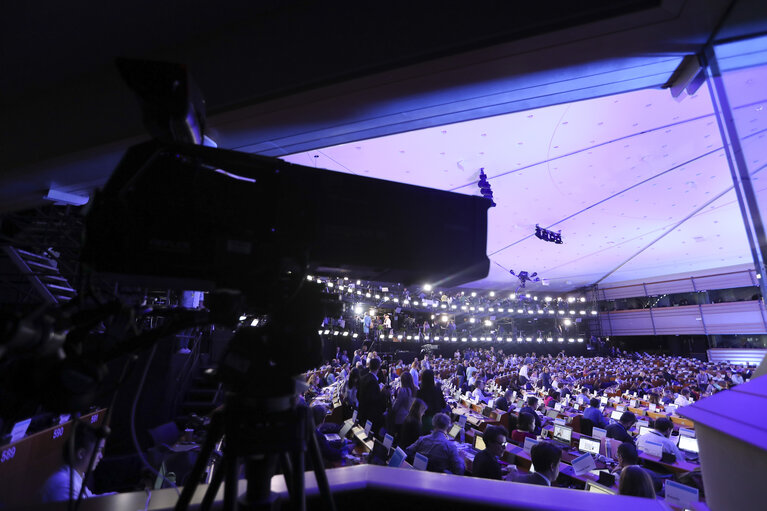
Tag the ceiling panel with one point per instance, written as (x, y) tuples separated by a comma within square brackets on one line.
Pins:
[(616, 174)]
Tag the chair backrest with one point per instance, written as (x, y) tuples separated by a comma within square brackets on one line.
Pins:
[(587, 426), (687, 423), (165, 434), (636, 411), (655, 415)]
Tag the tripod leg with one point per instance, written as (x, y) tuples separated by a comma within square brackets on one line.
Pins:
[(299, 492), (230, 483), (313, 446), (215, 484), (215, 431), (319, 473), (287, 472)]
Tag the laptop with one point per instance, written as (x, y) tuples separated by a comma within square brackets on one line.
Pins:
[(486, 411), (644, 430), (616, 415), (688, 444), (687, 432), (479, 443), (346, 428), (454, 431), (563, 434), (598, 488), (589, 445), (642, 424), (552, 413), (598, 433)]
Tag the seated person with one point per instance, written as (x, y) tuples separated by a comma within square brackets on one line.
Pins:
[(626, 455), (636, 482), (502, 403), (594, 414), (479, 393), (438, 448), (485, 462), (331, 451), (525, 425), (57, 487), (545, 457), (620, 430), (661, 434), (684, 398), (532, 404)]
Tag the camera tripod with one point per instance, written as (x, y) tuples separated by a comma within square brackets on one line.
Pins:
[(263, 431)]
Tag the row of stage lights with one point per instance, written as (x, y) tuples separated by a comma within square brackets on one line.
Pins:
[(454, 339), (427, 287)]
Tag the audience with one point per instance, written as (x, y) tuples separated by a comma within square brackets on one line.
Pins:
[(485, 462), (594, 414), (87, 446), (636, 482), (411, 427), (619, 430), (661, 434), (438, 448), (525, 426), (545, 457)]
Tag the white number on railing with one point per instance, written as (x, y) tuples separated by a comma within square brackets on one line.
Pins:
[(8, 455)]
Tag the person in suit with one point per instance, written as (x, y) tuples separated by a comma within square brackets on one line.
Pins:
[(502, 403), (545, 456), (532, 404), (372, 398), (620, 430), (485, 462), (546, 379)]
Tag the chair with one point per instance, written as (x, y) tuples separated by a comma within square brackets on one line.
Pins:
[(587, 426), (165, 434), (687, 423)]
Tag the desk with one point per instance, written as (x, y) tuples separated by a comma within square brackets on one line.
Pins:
[(28, 462)]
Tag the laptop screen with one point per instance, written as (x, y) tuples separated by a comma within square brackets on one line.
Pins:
[(687, 432), (688, 443), (344, 430), (486, 411), (644, 429), (552, 413), (588, 444), (616, 415), (479, 443), (563, 433), (454, 430), (599, 432), (598, 488)]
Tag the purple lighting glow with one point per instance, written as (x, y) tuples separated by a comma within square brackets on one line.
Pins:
[(637, 182)]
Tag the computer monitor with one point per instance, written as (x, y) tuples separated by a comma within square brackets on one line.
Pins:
[(616, 415), (688, 444), (479, 443), (589, 445), (563, 434), (345, 429), (598, 488), (454, 431), (598, 432), (687, 432)]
